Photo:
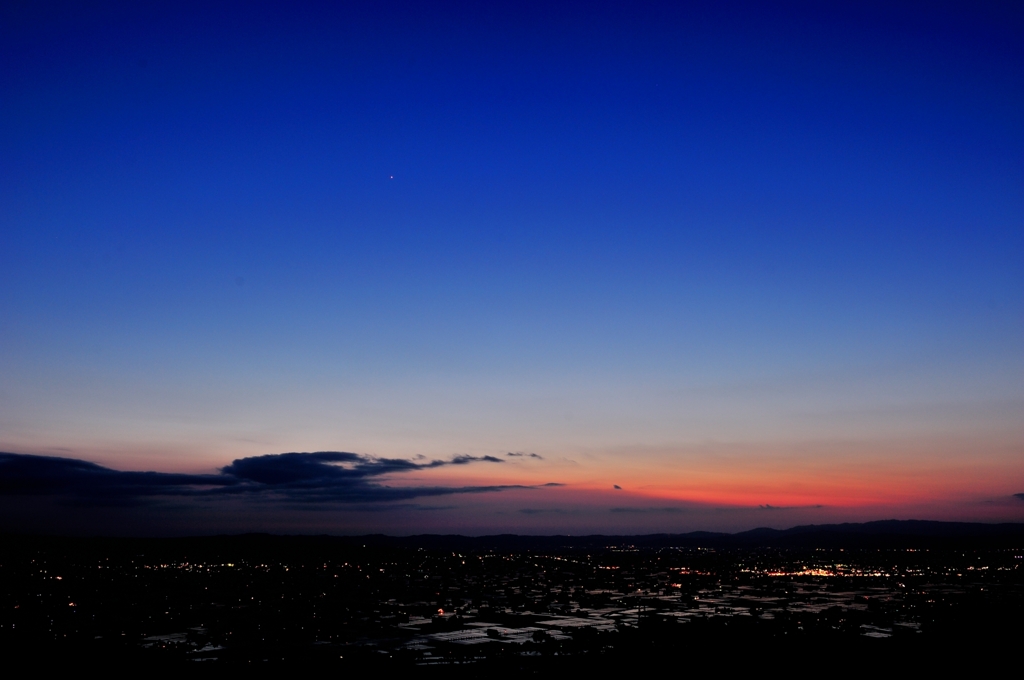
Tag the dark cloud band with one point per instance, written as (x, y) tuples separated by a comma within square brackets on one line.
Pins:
[(320, 477)]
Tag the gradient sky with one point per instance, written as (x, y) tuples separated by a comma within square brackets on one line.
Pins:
[(756, 264)]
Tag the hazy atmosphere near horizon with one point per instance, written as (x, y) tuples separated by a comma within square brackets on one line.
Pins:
[(517, 267)]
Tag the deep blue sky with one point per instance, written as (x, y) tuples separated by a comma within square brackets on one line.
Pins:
[(400, 228)]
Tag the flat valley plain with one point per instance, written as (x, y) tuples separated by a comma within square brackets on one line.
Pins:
[(860, 597)]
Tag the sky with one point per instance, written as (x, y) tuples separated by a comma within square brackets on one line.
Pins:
[(515, 267)]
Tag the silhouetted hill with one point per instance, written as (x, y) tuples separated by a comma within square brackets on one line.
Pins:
[(885, 534), (879, 534)]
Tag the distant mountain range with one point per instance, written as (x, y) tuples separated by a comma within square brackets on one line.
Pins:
[(884, 534), (880, 534)]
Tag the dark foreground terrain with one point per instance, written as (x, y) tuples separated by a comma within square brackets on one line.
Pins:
[(882, 597)]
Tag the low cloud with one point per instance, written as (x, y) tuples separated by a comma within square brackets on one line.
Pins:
[(1019, 496), (648, 510), (92, 484), (543, 511), (520, 454), (788, 507), (323, 477)]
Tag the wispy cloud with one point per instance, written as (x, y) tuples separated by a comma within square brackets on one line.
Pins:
[(520, 454), (544, 511), (320, 477), (788, 507)]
